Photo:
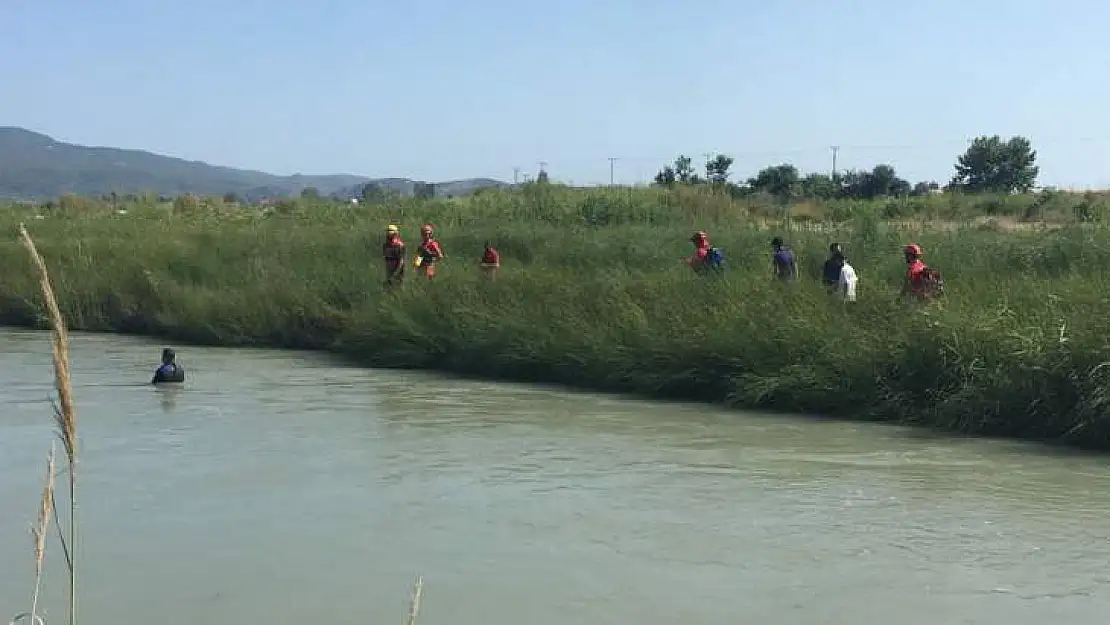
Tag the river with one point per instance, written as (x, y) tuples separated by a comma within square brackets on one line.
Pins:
[(284, 488)]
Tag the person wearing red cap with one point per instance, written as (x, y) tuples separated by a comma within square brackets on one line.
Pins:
[(922, 282), (697, 260), (706, 259), (429, 253)]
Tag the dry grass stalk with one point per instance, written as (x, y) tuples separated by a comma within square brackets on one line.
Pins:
[(64, 412), (414, 605), (38, 532)]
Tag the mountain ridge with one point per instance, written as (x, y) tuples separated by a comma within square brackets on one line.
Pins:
[(34, 165)]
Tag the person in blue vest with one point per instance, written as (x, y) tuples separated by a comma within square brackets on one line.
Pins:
[(169, 370), (782, 260)]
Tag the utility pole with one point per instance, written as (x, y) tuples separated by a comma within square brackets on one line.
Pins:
[(835, 149), (612, 177)]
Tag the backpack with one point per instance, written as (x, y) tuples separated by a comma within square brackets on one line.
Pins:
[(932, 283), (715, 259)]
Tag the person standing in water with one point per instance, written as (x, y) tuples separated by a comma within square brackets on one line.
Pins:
[(169, 370), (393, 253)]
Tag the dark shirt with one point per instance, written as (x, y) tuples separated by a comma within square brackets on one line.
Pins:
[(831, 273), (168, 372)]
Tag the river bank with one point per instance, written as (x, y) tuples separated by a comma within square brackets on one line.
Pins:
[(1016, 350)]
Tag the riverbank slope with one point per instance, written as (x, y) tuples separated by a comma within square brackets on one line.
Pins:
[(1018, 348)]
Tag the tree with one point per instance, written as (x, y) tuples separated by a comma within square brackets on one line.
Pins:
[(819, 186), (993, 165), (542, 178), (925, 188), (881, 181), (781, 181), (885, 182), (310, 192), (231, 198), (716, 170), (666, 177), (684, 169)]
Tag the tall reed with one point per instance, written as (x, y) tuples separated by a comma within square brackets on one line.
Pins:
[(64, 411)]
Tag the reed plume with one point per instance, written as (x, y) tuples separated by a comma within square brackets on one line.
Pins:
[(64, 412)]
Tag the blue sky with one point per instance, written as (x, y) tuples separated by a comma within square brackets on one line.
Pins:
[(440, 90)]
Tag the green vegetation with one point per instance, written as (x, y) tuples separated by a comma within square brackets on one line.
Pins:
[(989, 165), (592, 294)]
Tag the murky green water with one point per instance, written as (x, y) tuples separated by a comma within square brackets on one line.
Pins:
[(280, 488)]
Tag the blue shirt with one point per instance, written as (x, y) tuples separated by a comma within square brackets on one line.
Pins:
[(783, 260)]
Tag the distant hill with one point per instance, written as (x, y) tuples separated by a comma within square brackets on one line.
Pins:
[(35, 166)]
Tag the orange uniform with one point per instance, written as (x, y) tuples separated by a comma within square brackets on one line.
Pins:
[(429, 252), (491, 261), (393, 255)]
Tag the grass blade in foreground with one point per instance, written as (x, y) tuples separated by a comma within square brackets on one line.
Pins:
[(414, 605), (38, 532)]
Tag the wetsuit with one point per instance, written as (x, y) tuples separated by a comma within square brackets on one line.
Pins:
[(168, 372)]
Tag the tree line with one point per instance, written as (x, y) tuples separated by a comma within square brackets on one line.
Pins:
[(990, 165)]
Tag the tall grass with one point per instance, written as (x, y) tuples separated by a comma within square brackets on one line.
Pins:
[(591, 294)]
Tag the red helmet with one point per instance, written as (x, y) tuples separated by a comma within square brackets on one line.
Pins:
[(913, 249), (700, 235)]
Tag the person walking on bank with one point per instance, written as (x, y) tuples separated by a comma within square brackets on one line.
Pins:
[(429, 253), (830, 274), (922, 282), (846, 281), (782, 261), (705, 259), (393, 254), (491, 261)]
